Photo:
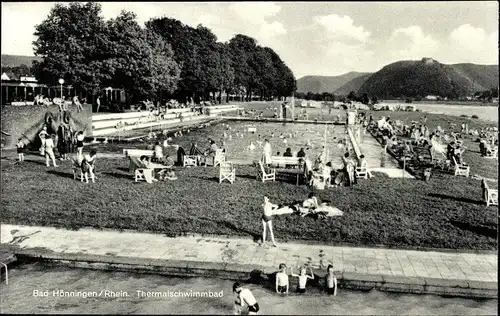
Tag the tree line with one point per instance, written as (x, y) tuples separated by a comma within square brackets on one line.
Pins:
[(165, 59)]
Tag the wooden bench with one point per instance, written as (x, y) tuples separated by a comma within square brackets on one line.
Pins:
[(284, 161)]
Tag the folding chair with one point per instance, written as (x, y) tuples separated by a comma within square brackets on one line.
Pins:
[(263, 175), (226, 172), (490, 195), (190, 161), (492, 154), (361, 173), (220, 156), (141, 173), (461, 169)]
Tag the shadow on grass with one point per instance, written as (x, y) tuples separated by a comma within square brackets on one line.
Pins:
[(36, 162), (477, 229), (123, 169), (118, 175), (246, 176), (458, 199), (61, 174)]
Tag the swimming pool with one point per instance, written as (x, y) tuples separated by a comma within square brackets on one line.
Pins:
[(18, 296)]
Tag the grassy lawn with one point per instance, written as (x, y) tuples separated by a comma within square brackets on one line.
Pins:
[(444, 213)]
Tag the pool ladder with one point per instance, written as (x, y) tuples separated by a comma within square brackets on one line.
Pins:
[(6, 273)]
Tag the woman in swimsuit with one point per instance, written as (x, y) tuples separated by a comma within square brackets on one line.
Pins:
[(267, 223)]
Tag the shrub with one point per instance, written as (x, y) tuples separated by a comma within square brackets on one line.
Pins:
[(463, 115), (474, 116)]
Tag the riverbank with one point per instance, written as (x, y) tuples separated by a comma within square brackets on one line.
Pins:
[(404, 271)]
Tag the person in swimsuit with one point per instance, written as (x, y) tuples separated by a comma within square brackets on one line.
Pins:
[(43, 135), (267, 223), (49, 151), (20, 149), (330, 281), (88, 166), (301, 289), (79, 143), (282, 283), (245, 296)]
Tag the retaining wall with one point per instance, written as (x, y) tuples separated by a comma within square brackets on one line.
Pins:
[(29, 121)]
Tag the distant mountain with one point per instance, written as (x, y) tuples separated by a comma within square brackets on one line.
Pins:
[(320, 84), (352, 85), (429, 77), (18, 60)]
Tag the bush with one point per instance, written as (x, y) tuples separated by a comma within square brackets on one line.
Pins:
[(463, 115), (475, 116)]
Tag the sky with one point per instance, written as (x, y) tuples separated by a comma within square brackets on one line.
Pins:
[(312, 38)]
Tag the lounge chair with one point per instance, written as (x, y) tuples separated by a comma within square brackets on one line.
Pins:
[(490, 195), (190, 161), (220, 156), (492, 153), (361, 173), (141, 173), (226, 172), (461, 169), (264, 175)]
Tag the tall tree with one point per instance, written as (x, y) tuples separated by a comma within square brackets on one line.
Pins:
[(72, 42), (141, 62)]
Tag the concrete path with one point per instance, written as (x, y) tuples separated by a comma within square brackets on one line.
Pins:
[(468, 267), (373, 155)]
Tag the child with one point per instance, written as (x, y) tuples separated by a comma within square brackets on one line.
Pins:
[(20, 149), (282, 283), (330, 281), (301, 289), (88, 166)]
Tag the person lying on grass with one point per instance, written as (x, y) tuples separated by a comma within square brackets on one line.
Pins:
[(301, 289)]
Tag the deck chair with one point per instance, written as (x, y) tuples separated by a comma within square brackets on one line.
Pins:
[(490, 195), (361, 173), (220, 156), (226, 172), (264, 175), (492, 154), (190, 161), (461, 169), (141, 173)]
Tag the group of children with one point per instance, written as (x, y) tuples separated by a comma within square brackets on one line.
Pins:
[(283, 285)]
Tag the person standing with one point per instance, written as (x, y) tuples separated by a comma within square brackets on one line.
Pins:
[(267, 223), (245, 297), (267, 152), (20, 149), (43, 136), (88, 164), (49, 151), (79, 143)]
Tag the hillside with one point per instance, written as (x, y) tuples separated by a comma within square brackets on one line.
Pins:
[(320, 84), (18, 60), (352, 85), (429, 77)]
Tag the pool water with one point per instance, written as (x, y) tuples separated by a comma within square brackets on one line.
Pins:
[(238, 139), (18, 296)]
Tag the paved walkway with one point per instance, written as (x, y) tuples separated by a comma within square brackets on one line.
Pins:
[(153, 247), (372, 151)]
